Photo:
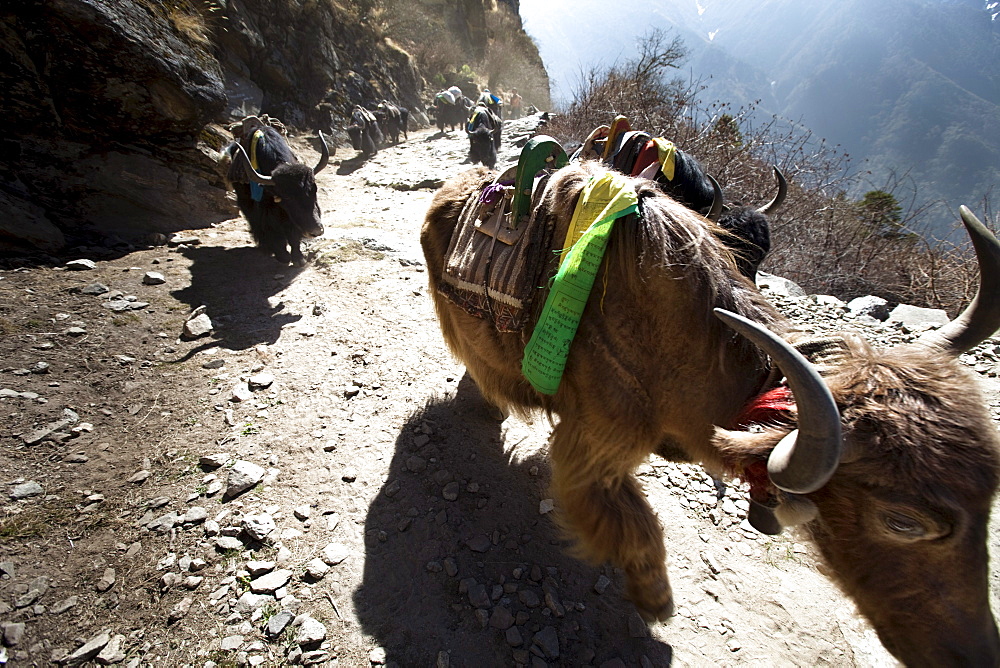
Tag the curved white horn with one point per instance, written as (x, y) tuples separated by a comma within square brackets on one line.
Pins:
[(805, 459)]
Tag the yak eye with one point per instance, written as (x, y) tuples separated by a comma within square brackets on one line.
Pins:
[(904, 525)]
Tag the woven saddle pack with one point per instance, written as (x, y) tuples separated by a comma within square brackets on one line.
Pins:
[(500, 248)]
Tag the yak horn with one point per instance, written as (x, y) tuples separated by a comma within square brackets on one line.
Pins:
[(716, 209), (252, 174), (981, 318), (779, 199), (803, 460), (324, 158)]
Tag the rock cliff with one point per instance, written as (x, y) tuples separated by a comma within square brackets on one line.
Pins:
[(116, 109)]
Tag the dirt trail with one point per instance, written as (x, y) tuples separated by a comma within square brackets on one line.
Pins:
[(372, 438)]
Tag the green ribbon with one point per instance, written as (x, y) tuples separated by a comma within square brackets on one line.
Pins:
[(603, 200)]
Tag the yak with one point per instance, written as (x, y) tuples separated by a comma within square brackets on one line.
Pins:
[(392, 120), (888, 457), (364, 131), (748, 228), (450, 110), (278, 197), (484, 129)]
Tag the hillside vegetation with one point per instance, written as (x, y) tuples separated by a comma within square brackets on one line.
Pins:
[(823, 239), (909, 89)]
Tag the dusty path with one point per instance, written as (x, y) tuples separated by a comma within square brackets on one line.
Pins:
[(371, 439)]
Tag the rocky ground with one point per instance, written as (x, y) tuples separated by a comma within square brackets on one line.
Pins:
[(312, 479)]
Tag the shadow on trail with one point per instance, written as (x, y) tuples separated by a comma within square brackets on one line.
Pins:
[(459, 560), (351, 165), (235, 286)]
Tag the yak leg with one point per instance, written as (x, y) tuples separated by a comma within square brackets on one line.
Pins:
[(604, 508), (295, 242)]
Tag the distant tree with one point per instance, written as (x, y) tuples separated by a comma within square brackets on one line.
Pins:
[(881, 212), (728, 130)]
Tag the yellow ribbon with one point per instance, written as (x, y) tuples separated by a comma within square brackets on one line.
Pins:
[(603, 200), (667, 152)]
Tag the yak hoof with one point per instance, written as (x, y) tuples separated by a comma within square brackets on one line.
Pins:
[(654, 606), (497, 413), (661, 615)]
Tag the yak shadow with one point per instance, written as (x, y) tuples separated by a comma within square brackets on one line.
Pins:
[(235, 286), (351, 165), (459, 559)]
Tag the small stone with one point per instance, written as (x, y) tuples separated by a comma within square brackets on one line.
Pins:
[(270, 582), (316, 569), (26, 490), (311, 632), (197, 327), (113, 652), (231, 643), (334, 553), (480, 543), (602, 584), (107, 580), (214, 364), (95, 289), (277, 623), (258, 568), (138, 477), (242, 476), (81, 265), (164, 523), (513, 636), (501, 618), (258, 527), (260, 381), (546, 506), (350, 474), (153, 278), (88, 650), (302, 513), (76, 331), (194, 515), (64, 605), (13, 633), (377, 656), (210, 462), (227, 543), (547, 640)]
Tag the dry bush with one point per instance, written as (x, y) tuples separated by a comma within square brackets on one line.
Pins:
[(821, 239)]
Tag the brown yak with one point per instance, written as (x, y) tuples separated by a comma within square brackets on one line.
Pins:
[(896, 488)]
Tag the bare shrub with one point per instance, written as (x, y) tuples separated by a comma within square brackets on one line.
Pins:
[(822, 238)]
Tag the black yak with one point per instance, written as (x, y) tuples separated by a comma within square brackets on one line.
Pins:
[(364, 131), (393, 120), (450, 109), (484, 128), (278, 196)]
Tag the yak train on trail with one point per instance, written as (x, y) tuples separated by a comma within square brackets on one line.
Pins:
[(890, 456)]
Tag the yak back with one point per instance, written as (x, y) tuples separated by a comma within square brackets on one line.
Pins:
[(663, 273), (272, 150)]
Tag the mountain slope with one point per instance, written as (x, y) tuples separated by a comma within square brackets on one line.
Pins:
[(907, 87)]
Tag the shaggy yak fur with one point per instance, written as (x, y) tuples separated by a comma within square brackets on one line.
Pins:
[(750, 228), (484, 130), (392, 120), (288, 209), (902, 522), (364, 131)]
